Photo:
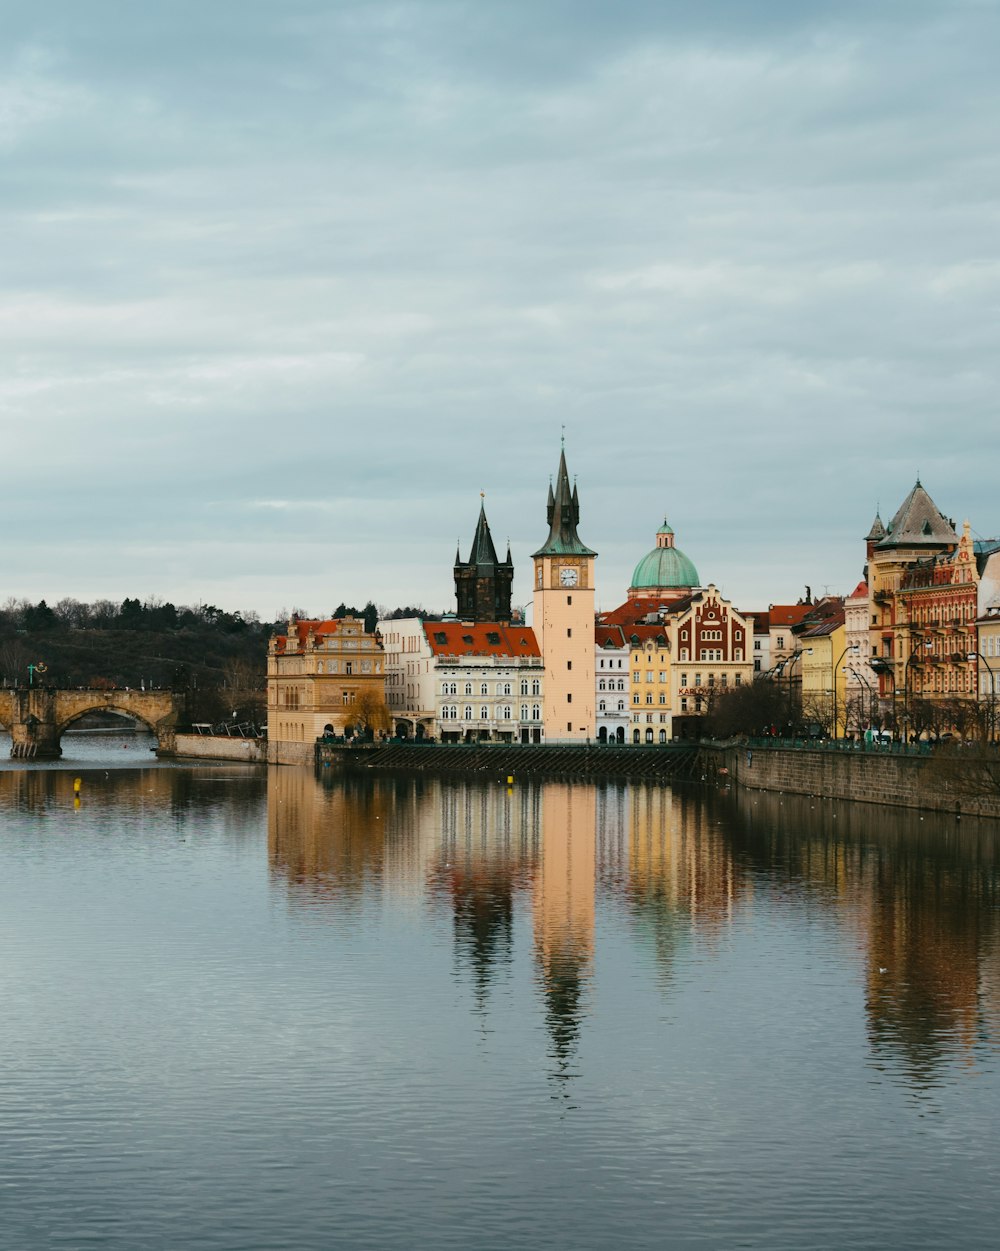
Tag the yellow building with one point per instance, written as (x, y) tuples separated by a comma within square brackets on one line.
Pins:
[(322, 677), (563, 619), (824, 678), (649, 685)]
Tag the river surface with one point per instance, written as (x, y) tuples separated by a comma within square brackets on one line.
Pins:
[(245, 1008)]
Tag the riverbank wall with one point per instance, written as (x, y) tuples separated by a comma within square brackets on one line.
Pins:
[(953, 783), (219, 747)]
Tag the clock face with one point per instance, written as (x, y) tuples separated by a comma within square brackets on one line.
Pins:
[(568, 576)]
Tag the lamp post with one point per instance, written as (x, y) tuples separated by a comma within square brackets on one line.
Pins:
[(871, 693), (913, 656), (853, 649), (991, 720), (803, 651)]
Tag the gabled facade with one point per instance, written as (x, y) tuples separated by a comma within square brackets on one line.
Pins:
[(322, 677)]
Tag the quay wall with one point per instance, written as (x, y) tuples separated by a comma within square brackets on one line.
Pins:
[(219, 747), (935, 784)]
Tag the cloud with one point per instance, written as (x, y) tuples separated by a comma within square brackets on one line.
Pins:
[(278, 268)]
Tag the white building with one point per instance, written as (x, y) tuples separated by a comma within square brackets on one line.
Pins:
[(461, 681), (611, 672)]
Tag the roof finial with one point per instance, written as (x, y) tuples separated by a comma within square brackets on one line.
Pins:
[(482, 495), (562, 438)]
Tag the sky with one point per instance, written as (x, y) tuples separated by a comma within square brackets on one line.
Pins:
[(286, 286)]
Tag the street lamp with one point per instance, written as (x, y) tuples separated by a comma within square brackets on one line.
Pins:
[(854, 649), (991, 721), (871, 693), (913, 656), (803, 651)]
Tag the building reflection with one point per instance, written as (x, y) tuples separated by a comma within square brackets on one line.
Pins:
[(917, 902), (563, 912), (920, 895), (486, 858)]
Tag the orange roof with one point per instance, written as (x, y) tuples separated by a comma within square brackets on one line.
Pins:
[(482, 638), (299, 630), (761, 621), (634, 611), (788, 614), (609, 636), (861, 590)]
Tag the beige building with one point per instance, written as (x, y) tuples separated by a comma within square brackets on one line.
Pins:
[(563, 619), (322, 677)]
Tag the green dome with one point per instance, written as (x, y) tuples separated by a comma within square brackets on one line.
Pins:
[(665, 567)]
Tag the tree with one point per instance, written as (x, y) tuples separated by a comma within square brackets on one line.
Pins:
[(752, 709), (371, 713)]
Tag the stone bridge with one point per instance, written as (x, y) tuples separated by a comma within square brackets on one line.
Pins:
[(38, 717)]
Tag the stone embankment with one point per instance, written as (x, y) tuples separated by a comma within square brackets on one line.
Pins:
[(674, 762), (220, 747), (955, 781)]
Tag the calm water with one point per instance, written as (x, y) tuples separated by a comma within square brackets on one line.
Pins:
[(263, 1010)]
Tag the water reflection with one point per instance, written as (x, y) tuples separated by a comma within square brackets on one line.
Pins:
[(920, 895), (913, 900)]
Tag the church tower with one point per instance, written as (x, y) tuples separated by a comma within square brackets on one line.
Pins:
[(564, 618), (483, 583)]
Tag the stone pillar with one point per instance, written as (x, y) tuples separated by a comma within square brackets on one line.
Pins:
[(34, 733)]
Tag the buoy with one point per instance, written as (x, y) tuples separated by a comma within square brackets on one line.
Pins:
[(510, 779), (77, 784)]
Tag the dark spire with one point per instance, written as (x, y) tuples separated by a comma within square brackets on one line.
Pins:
[(563, 515), (483, 583), (483, 552)]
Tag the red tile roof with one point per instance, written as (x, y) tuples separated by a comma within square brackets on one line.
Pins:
[(788, 614), (609, 636), (483, 638), (298, 632), (761, 621), (635, 611)]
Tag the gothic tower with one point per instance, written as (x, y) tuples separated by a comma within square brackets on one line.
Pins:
[(483, 583), (564, 618)]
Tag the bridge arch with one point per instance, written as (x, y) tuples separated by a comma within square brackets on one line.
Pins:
[(41, 717)]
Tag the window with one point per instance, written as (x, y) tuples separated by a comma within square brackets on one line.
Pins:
[(505, 688), (569, 727), (349, 667), (569, 664), (684, 704), (663, 697), (569, 635), (649, 698), (697, 679), (468, 688), (536, 687), (635, 698), (600, 685), (484, 688), (536, 712), (621, 684), (484, 713), (468, 712), (636, 676), (621, 705), (602, 706), (780, 641), (569, 699), (756, 645), (524, 686), (506, 712), (663, 675), (524, 712)]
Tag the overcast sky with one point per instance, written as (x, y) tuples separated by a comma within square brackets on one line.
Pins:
[(286, 285)]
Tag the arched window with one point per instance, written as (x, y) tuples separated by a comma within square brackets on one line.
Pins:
[(600, 685), (536, 687), (635, 736), (484, 713), (524, 712), (506, 712), (484, 688), (524, 686), (663, 736), (602, 706), (621, 705), (649, 736), (536, 712), (468, 712), (468, 688)]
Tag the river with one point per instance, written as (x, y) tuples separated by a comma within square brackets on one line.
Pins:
[(248, 1008)]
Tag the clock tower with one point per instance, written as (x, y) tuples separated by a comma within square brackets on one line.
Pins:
[(564, 618)]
